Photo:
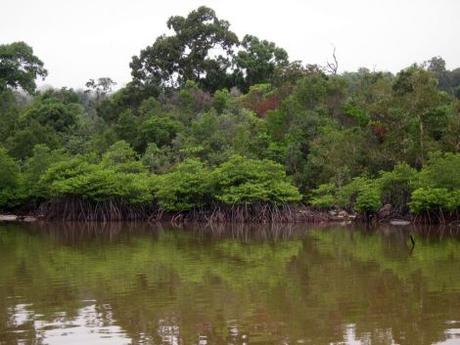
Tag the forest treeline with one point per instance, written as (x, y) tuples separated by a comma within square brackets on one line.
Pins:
[(229, 128)]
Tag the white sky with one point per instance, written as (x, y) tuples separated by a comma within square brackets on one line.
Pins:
[(83, 39)]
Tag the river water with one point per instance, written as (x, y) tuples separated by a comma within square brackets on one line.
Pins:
[(144, 284)]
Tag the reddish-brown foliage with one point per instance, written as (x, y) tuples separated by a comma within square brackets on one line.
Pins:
[(261, 107), (379, 131)]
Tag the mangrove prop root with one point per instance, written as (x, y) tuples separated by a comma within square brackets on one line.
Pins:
[(81, 210), (76, 209)]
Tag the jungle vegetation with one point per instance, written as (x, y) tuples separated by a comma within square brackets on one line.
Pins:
[(228, 127)]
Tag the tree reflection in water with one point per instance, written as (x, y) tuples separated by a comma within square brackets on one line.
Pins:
[(144, 284)]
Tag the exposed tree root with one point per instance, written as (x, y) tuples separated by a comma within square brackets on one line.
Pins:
[(76, 209), (263, 213), (438, 217)]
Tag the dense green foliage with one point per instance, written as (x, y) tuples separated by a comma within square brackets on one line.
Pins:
[(245, 125), (238, 181), (19, 67), (9, 177), (435, 188)]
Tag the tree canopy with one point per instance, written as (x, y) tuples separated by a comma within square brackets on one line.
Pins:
[(209, 122), (187, 54), (19, 67)]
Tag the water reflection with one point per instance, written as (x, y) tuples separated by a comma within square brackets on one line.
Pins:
[(145, 284), (92, 325)]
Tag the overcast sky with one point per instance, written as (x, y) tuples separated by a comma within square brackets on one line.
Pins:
[(83, 39)]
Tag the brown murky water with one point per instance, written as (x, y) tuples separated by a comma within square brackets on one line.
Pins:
[(139, 284)]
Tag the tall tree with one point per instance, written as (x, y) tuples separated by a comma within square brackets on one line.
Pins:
[(101, 86), (200, 50), (437, 65), (19, 67), (420, 104), (258, 60)]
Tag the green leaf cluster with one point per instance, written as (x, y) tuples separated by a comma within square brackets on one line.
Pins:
[(238, 181)]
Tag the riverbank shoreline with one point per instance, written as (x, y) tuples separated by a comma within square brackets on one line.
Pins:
[(254, 214), (287, 216)]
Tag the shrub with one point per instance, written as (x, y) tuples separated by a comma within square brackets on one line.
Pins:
[(9, 179), (244, 181), (78, 178), (368, 200), (324, 196), (221, 100), (35, 167), (397, 185), (361, 194), (238, 181), (184, 188), (425, 200), (121, 157), (160, 130), (439, 185), (454, 201), (442, 171)]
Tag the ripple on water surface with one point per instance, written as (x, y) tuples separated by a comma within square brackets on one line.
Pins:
[(136, 284)]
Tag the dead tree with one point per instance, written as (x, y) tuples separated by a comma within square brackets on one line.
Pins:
[(332, 67)]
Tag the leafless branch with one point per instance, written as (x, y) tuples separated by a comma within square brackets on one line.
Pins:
[(332, 67)]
